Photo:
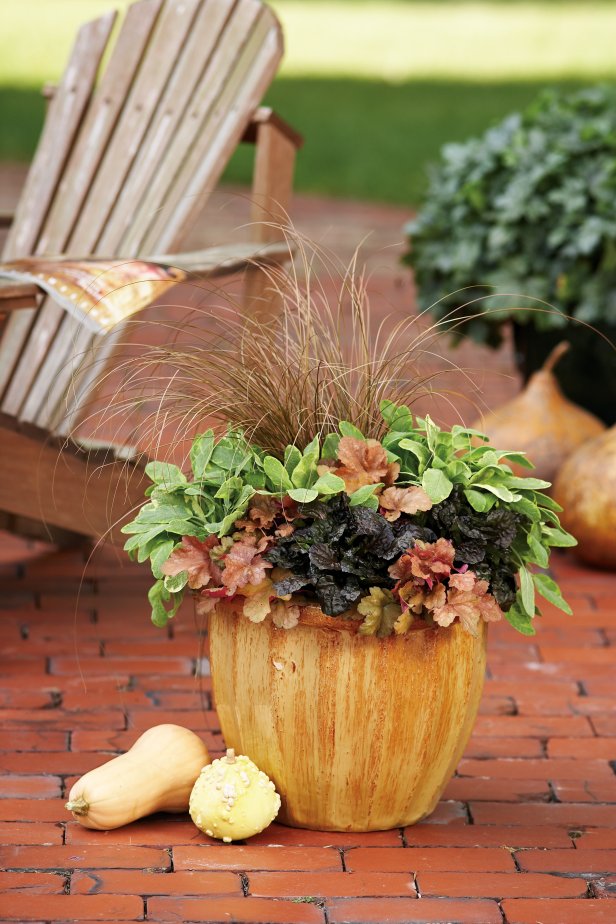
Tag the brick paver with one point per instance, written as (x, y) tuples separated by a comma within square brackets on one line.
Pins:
[(526, 832)]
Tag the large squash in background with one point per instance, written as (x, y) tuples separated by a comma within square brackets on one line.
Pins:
[(586, 489), (541, 422)]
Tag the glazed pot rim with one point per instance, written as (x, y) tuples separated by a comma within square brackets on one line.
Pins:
[(312, 616)]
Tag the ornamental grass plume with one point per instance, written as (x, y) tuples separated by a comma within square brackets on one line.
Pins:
[(282, 379)]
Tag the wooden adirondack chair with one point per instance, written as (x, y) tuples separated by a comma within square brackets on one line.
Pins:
[(124, 165)]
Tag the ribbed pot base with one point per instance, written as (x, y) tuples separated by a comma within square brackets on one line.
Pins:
[(357, 733)]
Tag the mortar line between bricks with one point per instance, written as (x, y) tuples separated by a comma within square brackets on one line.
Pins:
[(245, 883)]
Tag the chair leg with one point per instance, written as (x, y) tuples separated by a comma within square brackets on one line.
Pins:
[(271, 194)]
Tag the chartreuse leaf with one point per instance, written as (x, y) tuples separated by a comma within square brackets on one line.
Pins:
[(312, 450), (201, 453), (520, 620), (164, 473), (518, 458), (397, 417), (432, 433), (526, 506), (419, 450), (550, 590), (277, 474), (328, 483), (540, 555), (362, 496), (159, 555), (543, 500), (349, 429), (479, 500), (527, 483), (303, 495), (436, 484), (499, 490), (158, 596), (527, 591), (330, 446), (292, 456), (558, 538), (229, 488), (176, 582)]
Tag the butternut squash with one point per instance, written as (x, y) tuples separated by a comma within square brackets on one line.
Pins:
[(156, 775)]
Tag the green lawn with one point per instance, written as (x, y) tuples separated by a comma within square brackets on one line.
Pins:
[(376, 86)]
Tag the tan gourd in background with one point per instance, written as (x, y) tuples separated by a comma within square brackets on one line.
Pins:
[(586, 489), (541, 422), (156, 775)]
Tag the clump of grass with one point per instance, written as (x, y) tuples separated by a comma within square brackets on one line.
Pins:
[(285, 375)]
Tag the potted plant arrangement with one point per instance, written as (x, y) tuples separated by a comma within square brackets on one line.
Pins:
[(518, 226), (348, 556)]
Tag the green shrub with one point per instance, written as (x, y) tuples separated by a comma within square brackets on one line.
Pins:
[(524, 216)]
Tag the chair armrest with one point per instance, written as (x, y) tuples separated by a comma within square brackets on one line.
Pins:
[(264, 115), (14, 295)]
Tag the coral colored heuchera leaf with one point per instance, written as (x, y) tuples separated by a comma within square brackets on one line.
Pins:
[(364, 462), (244, 565), (427, 561), (469, 601), (395, 501), (193, 556)]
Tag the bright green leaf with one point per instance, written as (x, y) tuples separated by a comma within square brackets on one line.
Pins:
[(520, 620), (201, 453), (330, 446), (159, 555), (303, 495), (328, 483), (558, 537), (527, 591), (176, 582), (479, 500), (349, 429), (363, 495), (292, 456), (277, 474), (436, 485), (550, 590), (164, 473)]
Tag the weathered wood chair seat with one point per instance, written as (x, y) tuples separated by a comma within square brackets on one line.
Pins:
[(127, 157)]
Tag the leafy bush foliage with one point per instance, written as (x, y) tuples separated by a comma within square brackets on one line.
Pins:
[(528, 210)]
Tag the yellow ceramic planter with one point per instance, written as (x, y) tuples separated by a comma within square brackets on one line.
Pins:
[(357, 733)]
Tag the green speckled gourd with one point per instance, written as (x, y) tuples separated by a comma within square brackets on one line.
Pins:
[(232, 799)]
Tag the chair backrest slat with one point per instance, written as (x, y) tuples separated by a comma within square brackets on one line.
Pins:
[(22, 394), (179, 89), (174, 105), (64, 115), (30, 381), (194, 162), (99, 124)]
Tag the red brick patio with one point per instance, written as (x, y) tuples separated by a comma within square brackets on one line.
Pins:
[(525, 834)]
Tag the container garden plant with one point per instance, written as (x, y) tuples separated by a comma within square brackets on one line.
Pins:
[(518, 227), (348, 557)]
